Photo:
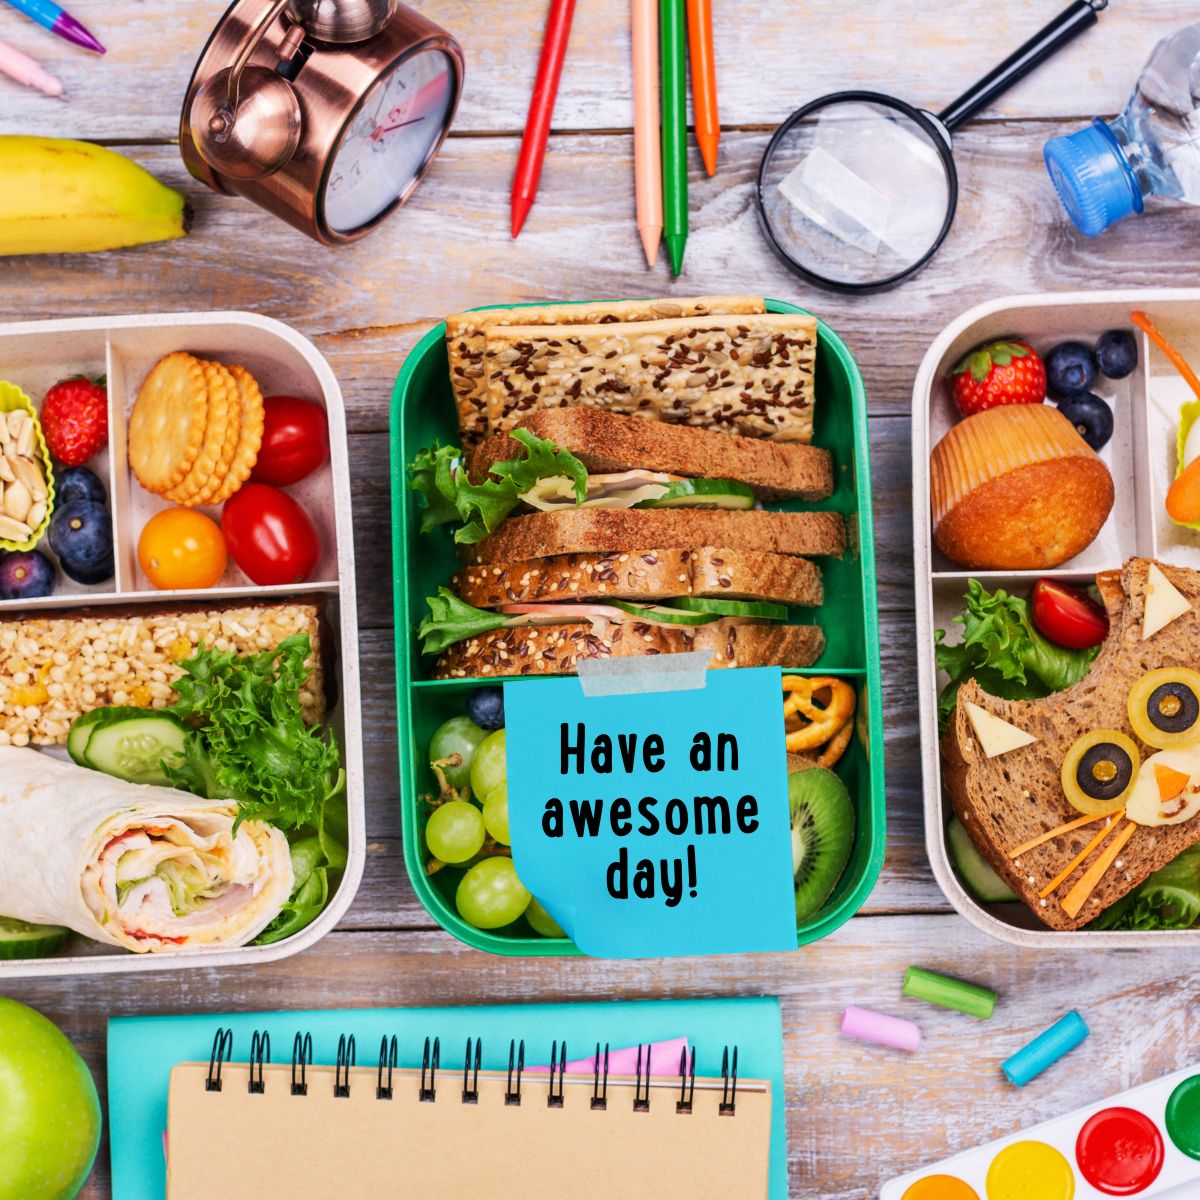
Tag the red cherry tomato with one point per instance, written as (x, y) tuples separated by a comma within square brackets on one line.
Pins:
[(1067, 616), (269, 535), (295, 441)]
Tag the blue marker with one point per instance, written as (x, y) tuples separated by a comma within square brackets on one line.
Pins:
[(48, 15), (1045, 1049)]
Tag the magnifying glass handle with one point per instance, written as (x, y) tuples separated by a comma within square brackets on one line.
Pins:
[(1072, 21)]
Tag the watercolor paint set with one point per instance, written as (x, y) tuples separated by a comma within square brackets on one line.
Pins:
[(1144, 1142)]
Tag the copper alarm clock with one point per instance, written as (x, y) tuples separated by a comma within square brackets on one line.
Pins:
[(324, 112)]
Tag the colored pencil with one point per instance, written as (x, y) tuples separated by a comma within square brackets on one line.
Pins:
[(647, 150), (672, 38), (704, 80), (50, 16), (19, 66), (541, 109)]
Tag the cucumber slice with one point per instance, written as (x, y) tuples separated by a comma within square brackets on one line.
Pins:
[(975, 871), (134, 747), (660, 612), (703, 493), (19, 939), (759, 609), (84, 726)]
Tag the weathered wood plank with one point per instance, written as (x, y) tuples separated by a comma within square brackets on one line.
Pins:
[(856, 1114), (925, 53)]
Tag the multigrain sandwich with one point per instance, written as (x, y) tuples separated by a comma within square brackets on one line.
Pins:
[(1076, 798)]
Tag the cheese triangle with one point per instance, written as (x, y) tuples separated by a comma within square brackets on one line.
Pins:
[(995, 735), (1164, 602)]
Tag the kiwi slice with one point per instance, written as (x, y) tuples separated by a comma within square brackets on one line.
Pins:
[(822, 836)]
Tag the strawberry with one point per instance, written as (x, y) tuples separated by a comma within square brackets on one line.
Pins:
[(998, 373), (75, 420)]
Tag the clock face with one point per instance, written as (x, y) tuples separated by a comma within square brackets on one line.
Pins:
[(385, 147)]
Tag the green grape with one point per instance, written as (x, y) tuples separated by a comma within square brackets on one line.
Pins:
[(459, 735), (541, 920), (454, 831), (488, 768), (490, 894), (495, 814)]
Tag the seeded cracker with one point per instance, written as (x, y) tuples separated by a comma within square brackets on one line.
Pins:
[(166, 425), (749, 375), (223, 402), (250, 435), (465, 337)]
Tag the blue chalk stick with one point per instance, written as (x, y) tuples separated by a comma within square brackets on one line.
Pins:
[(1045, 1050)]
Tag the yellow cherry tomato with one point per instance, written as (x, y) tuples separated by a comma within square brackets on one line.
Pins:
[(182, 548)]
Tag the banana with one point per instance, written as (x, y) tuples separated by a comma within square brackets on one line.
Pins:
[(60, 197)]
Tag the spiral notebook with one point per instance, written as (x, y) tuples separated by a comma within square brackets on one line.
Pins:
[(290, 1143)]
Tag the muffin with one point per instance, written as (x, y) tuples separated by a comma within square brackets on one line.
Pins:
[(1016, 488)]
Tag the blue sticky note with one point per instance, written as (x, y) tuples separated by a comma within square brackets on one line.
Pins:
[(680, 846)]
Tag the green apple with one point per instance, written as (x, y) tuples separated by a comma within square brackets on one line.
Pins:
[(49, 1110)]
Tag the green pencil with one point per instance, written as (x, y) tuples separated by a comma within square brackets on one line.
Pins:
[(673, 48)]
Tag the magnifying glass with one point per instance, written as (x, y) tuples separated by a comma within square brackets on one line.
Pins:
[(857, 190)]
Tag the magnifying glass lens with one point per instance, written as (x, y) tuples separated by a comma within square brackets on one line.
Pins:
[(857, 192)]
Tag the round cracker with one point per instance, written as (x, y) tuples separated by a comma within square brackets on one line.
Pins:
[(218, 478), (222, 399), (167, 422), (250, 435)]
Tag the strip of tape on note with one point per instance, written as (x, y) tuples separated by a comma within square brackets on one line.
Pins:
[(639, 674)]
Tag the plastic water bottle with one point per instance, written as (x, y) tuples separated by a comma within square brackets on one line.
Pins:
[(1106, 171)]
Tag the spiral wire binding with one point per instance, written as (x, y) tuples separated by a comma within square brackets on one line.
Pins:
[(558, 1064), (687, 1085), (302, 1056), (260, 1053), (599, 1093), (222, 1051), (517, 1055), (641, 1103), (430, 1063), (728, 1084), (345, 1060), (470, 1094), (387, 1061)]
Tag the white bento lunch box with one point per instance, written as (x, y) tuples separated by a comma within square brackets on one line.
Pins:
[(1141, 457), (33, 355)]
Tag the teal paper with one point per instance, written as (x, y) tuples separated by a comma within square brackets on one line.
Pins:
[(142, 1051), (714, 891)]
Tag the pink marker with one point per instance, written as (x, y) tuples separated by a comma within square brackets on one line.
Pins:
[(868, 1026), (19, 66)]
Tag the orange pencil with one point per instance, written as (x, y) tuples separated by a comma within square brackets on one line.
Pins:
[(647, 165), (704, 80)]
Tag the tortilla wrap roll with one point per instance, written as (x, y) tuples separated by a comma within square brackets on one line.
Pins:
[(146, 868)]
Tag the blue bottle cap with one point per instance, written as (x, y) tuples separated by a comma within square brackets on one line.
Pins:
[(1045, 1049), (1094, 179)]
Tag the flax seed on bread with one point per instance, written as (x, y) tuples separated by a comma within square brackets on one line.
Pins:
[(1005, 801), (651, 574), (557, 649), (607, 442), (601, 530)]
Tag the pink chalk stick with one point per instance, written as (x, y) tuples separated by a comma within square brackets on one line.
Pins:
[(868, 1026), (664, 1060)]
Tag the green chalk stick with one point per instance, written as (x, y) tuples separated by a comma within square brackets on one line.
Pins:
[(963, 997)]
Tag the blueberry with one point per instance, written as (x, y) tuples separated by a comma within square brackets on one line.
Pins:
[(78, 483), (485, 706), (81, 536), (1070, 368), (25, 574), (1091, 416), (1116, 353)]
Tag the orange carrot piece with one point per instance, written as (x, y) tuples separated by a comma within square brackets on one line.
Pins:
[(1180, 363), (1077, 896), (1054, 884), (1053, 833), (1170, 782)]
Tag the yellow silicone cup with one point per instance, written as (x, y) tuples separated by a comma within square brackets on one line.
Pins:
[(11, 397)]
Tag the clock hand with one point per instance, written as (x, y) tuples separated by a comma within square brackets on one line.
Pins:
[(380, 130)]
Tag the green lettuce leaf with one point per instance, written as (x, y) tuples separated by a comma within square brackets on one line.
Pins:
[(1168, 899), (310, 892), (440, 478), (1003, 652), (451, 619)]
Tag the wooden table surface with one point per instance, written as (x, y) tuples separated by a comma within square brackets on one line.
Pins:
[(856, 1114)]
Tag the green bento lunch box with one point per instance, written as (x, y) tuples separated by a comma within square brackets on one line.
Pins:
[(422, 411)]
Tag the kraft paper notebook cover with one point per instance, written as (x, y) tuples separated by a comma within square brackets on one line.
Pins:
[(142, 1052)]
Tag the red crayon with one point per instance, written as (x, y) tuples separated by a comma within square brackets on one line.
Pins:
[(541, 109)]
